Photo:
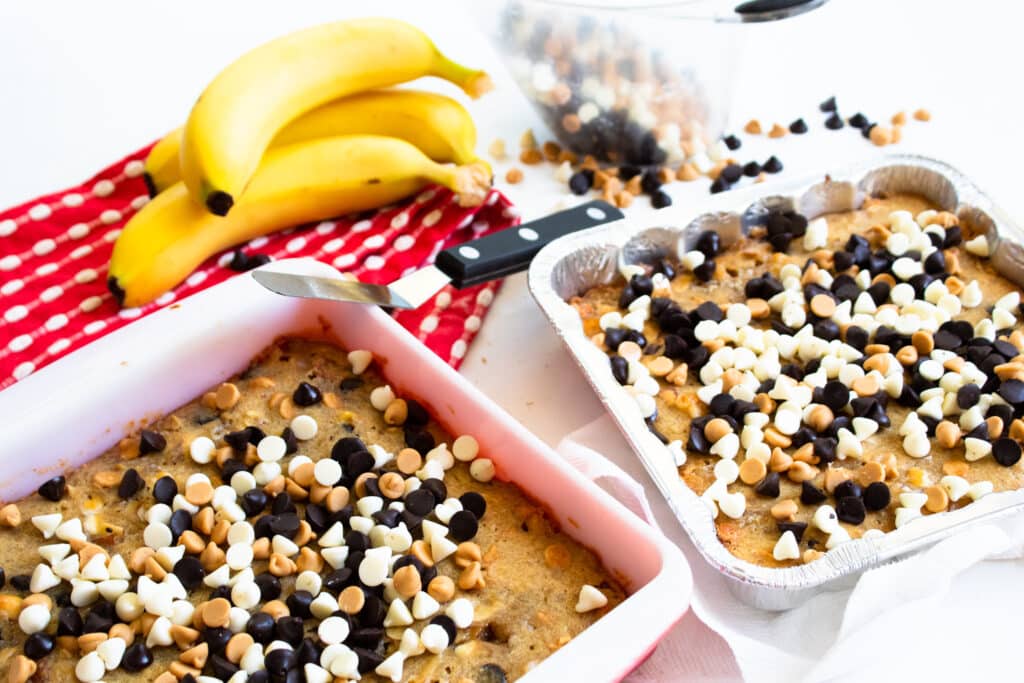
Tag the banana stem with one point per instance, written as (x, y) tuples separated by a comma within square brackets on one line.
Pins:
[(471, 182), (472, 81)]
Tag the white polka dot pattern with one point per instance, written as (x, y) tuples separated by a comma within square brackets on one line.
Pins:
[(11, 287), (103, 188), (72, 200), (374, 242), (295, 245), (39, 212), (374, 263), (78, 231), (7, 227), (44, 247)]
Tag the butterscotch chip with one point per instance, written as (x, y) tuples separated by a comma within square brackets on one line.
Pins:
[(137, 562), (472, 577), (801, 471), (261, 549), (10, 606), (880, 135), (409, 461), (279, 565), (106, 479), (226, 396), (38, 599), (715, 429), (899, 118), (337, 498), (995, 426), (776, 439), (21, 669), (571, 123), (660, 366), (780, 461), (753, 127), (217, 613), (923, 342), (166, 677), (551, 149), (212, 557), (192, 541), (209, 400), (823, 306), (421, 551), (764, 403), (513, 176), (275, 485), (155, 570), (871, 472), (810, 555), (276, 609), (351, 600), (261, 383), (467, 553), (303, 474), (866, 385), (407, 581), (184, 636), (834, 478), (819, 417), (195, 656), (752, 471), (287, 408), (309, 561), (777, 131), (623, 199), (531, 156), (90, 641), (923, 115), (907, 355), (392, 485), (219, 534), (294, 490), (759, 308), (556, 556), (318, 493), (236, 647), (878, 362), (180, 670), (784, 509), (199, 492), (947, 434), (203, 521), (806, 454), (441, 588), (678, 376), (938, 499), (122, 631), (687, 172), (10, 516)]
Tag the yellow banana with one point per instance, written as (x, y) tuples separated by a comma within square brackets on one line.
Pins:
[(295, 184), (438, 125), (241, 111)]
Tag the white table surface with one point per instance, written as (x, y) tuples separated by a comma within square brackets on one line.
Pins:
[(83, 83)]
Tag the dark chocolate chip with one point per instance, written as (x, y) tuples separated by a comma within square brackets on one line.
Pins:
[(181, 521), (828, 105), (217, 638), (620, 369), (463, 525), (289, 629), (69, 622), (240, 440), (137, 657), (733, 143), (798, 127), (772, 165), (851, 510), (222, 668), (847, 489), (420, 502), (732, 172), (54, 489), (254, 501), (280, 661), (579, 183), (719, 185), (38, 645), (189, 571), (1006, 451), (705, 271), (306, 395), (834, 122), (865, 130), (752, 169), (769, 486), (436, 487), (165, 489), (474, 502), (1012, 390), (422, 441), (660, 199), (308, 652), (709, 243), (151, 442), (291, 442), (350, 383), (858, 120), (490, 673), (811, 494), (131, 483), (269, 585), (877, 496), (261, 627)]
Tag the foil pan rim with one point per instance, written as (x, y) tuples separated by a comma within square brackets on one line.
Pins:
[(773, 588)]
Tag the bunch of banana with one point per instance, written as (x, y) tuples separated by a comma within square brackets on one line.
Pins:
[(298, 131)]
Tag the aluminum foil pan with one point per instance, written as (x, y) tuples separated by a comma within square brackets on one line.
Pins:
[(575, 263)]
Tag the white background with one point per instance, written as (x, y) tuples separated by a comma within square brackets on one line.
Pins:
[(81, 84)]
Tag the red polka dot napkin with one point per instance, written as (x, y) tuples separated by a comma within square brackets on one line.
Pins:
[(54, 252)]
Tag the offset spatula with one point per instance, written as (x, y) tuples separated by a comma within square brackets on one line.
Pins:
[(471, 263)]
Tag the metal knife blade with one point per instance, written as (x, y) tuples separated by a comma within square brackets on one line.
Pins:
[(411, 291)]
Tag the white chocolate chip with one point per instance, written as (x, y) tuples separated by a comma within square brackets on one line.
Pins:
[(465, 448), (956, 487), (434, 638), (90, 668), (976, 449), (978, 246), (460, 611), (825, 519), (590, 598), (786, 548), (333, 630), (979, 489), (304, 427), (398, 614), (381, 397), (201, 450), (327, 472), (482, 469), (359, 360), (34, 618)]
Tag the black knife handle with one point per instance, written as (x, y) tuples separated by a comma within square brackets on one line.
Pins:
[(511, 250)]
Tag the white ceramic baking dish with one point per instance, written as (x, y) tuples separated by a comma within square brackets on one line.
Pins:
[(76, 408)]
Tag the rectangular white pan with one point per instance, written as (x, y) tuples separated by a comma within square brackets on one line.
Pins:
[(75, 409)]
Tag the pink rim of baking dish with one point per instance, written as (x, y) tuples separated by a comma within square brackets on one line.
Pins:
[(79, 406)]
